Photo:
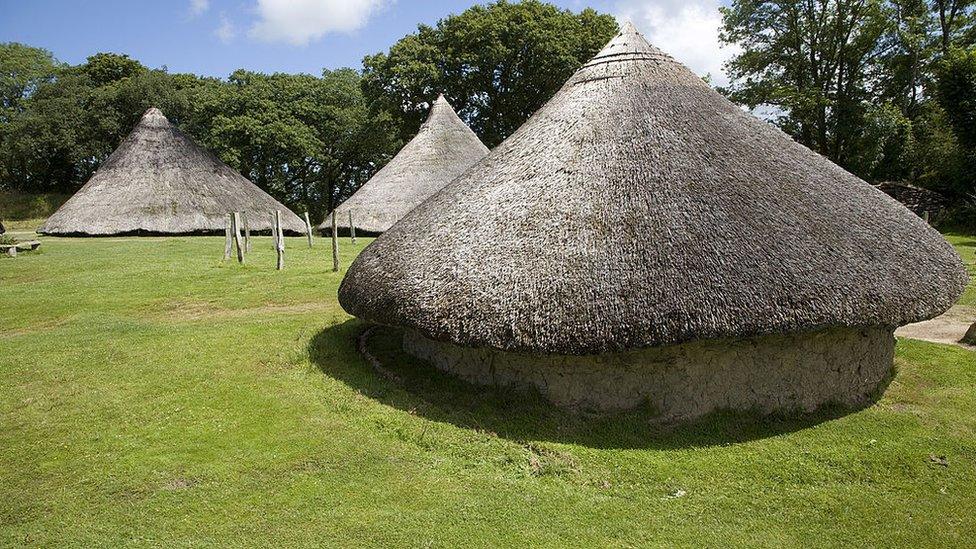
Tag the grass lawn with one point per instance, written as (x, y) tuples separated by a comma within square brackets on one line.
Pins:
[(151, 394), (966, 245)]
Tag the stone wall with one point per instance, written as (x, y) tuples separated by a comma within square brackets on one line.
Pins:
[(766, 374), (914, 198)]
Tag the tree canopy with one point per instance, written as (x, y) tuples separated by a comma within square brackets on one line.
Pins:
[(497, 64), (882, 87)]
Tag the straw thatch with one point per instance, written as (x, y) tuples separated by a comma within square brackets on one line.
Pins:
[(639, 208), (443, 149), (159, 181)]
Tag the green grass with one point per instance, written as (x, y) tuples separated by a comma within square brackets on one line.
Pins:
[(151, 394), (966, 246)]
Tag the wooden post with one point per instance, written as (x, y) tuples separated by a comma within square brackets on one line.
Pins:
[(308, 229), (335, 243), (247, 233), (925, 216), (274, 230), (279, 239), (236, 217), (227, 238), (352, 228)]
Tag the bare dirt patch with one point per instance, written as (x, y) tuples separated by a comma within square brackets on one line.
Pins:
[(949, 328)]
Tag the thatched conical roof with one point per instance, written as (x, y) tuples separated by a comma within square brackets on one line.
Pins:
[(158, 181), (443, 148), (640, 208)]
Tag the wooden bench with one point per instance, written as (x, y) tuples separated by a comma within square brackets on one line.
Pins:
[(12, 249)]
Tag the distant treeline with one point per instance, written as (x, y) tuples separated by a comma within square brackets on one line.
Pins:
[(885, 88), (308, 140)]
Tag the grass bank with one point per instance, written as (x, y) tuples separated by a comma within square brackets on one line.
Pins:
[(151, 394), (27, 212), (966, 246)]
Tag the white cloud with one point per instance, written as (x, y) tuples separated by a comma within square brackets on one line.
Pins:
[(686, 29), (299, 22), (226, 32), (199, 7)]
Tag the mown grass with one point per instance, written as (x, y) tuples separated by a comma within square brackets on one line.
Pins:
[(966, 246), (151, 394)]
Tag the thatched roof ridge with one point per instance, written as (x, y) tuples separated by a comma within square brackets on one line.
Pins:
[(443, 148), (640, 208), (158, 181)]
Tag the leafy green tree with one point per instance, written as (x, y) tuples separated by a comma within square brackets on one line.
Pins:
[(105, 68), (308, 141), (956, 93), (809, 59), (46, 146), (497, 64), (955, 19), (907, 52), (883, 87), (22, 70), (70, 123)]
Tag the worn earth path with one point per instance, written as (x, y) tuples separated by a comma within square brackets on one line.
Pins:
[(949, 328)]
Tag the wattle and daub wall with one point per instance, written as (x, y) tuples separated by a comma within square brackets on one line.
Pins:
[(779, 373)]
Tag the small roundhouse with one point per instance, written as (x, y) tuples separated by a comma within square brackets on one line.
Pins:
[(641, 240)]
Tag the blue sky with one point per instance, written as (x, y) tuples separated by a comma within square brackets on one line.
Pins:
[(216, 37)]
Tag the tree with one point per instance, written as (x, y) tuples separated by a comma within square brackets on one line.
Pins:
[(71, 122), (45, 144), (308, 141), (106, 68), (906, 53), (809, 59), (955, 18), (497, 64), (22, 70), (956, 93)]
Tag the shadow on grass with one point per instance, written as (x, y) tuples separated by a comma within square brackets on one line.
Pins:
[(412, 385)]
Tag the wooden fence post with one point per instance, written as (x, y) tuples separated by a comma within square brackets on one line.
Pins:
[(236, 217), (227, 238), (274, 231), (247, 233), (335, 243), (925, 216), (352, 228), (308, 229), (279, 239)]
